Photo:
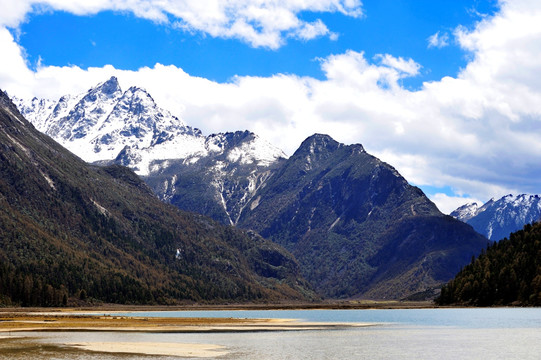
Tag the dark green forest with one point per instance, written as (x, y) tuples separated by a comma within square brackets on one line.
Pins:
[(507, 273)]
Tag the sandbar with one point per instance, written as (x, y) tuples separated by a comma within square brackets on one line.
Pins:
[(14, 322), (167, 349)]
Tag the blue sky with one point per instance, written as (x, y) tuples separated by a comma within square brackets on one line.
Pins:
[(398, 27), (446, 91)]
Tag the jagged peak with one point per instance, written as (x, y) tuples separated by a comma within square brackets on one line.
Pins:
[(321, 139), (110, 86), (466, 211), (318, 143), (110, 89), (322, 143), (137, 90), (140, 97), (468, 205)]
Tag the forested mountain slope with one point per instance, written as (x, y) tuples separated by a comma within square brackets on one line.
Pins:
[(69, 229), (508, 273)]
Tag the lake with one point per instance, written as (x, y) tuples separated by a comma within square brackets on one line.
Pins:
[(494, 333)]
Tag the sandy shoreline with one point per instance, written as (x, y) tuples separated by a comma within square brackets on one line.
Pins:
[(166, 349), (14, 322)]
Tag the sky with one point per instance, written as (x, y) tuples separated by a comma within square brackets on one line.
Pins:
[(446, 91)]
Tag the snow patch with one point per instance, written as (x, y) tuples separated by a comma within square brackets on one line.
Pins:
[(336, 222), (48, 179), (100, 208), (255, 203)]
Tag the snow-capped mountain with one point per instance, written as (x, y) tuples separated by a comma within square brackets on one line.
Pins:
[(466, 211), (496, 219), (220, 181), (98, 125), (355, 225), (109, 125), (34, 110)]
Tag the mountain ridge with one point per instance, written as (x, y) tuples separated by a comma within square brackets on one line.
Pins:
[(108, 126), (498, 218), (356, 226)]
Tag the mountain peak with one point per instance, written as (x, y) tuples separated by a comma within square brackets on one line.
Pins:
[(466, 211), (322, 139), (318, 144), (110, 86)]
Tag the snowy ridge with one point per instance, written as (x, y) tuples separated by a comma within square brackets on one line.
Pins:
[(109, 125), (106, 123), (466, 212), (229, 169), (496, 219), (35, 110), (100, 124)]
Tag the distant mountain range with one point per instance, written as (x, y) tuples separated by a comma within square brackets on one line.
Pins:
[(71, 231), (357, 228), (496, 219)]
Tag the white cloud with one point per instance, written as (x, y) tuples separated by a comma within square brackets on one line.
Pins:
[(477, 133), (448, 204), (260, 23), (14, 73), (438, 41), (407, 67), (310, 31)]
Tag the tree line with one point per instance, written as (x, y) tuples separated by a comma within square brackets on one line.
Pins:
[(507, 273)]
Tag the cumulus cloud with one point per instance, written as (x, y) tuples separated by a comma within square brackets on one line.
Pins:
[(260, 23), (477, 133)]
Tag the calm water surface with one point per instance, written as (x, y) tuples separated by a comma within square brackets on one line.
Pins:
[(398, 334)]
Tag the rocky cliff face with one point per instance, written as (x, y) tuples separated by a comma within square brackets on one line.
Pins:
[(355, 224)]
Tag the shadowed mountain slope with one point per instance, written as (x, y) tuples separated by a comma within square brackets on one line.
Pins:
[(356, 226)]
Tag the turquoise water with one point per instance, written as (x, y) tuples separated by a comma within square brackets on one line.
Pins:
[(464, 318), (441, 334)]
